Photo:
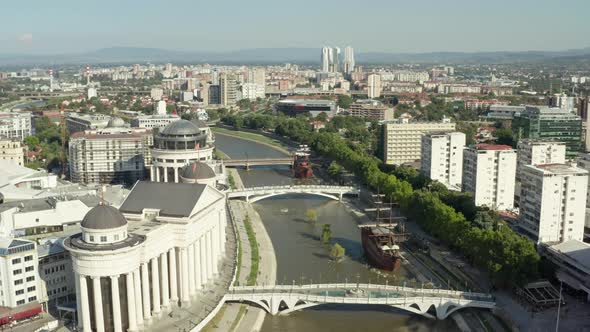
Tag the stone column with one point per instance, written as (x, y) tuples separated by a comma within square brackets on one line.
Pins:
[(157, 173), (165, 286), (210, 254), (78, 303), (176, 175), (216, 248), (203, 253), (156, 285), (98, 314), (184, 293), (145, 287), (173, 277), (152, 173), (84, 303), (131, 301), (138, 297), (197, 247), (191, 269), (116, 303), (221, 233), (165, 174)]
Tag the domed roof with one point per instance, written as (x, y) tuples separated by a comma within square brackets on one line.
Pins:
[(181, 127), (198, 171), (115, 122), (103, 217)]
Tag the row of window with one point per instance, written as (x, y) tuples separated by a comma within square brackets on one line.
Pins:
[(53, 269), (19, 271), (31, 299), (20, 281), (18, 260)]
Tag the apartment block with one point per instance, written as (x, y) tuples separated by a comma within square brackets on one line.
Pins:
[(553, 202), (12, 150), (442, 158), (489, 174), (535, 152)]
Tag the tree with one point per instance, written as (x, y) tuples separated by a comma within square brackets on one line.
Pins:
[(344, 101), (337, 252), (326, 234), (32, 142), (311, 216), (334, 169), (504, 136)]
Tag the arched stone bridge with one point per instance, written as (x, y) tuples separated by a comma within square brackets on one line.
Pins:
[(434, 303), (254, 194)]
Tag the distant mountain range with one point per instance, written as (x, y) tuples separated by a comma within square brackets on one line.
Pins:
[(125, 55)]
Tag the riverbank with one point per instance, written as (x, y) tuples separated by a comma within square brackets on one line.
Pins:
[(257, 138)]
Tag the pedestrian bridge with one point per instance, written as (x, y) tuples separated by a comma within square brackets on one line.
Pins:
[(433, 303), (247, 163), (254, 194)]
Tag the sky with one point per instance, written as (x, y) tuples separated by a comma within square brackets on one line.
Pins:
[(74, 26)]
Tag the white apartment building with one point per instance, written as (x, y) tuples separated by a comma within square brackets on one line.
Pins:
[(535, 152), (228, 89), (252, 91), (11, 150), (402, 139), (111, 155), (16, 125), (553, 202), (92, 93), (374, 86), (154, 121), (442, 158), (489, 173), (19, 275), (584, 163), (160, 108), (156, 93)]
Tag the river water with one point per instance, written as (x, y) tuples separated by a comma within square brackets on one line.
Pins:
[(302, 258)]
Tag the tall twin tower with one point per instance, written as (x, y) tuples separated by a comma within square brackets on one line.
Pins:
[(331, 60)]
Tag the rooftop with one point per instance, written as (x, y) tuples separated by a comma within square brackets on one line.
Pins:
[(493, 147), (561, 169), (576, 250), (172, 199), (307, 101)]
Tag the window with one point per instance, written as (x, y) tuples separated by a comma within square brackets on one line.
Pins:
[(20, 292), (18, 282), (16, 261), (91, 238), (28, 258), (17, 271), (116, 237), (103, 239), (30, 289), (32, 298), (31, 278), (19, 302)]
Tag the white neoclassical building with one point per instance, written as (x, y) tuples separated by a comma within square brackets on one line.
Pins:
[(179, 144), (157, 251)]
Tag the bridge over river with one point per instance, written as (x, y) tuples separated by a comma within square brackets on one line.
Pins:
[(258, 193), (284, 299)]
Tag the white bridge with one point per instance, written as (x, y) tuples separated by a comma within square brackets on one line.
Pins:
[(254, 194), (433, 303)]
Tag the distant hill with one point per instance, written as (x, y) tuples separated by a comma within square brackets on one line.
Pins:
[(125, 55)]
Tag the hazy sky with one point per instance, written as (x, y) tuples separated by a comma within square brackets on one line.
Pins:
[(41, 26)]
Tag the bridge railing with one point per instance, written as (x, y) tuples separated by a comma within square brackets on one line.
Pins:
[(388, 288), (363, 299), (301, 187)]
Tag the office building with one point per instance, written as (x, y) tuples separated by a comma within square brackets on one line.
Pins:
[(370, 109), (80, 122), (547, 123), (257, 76), (56, 284), (228, 90), (573, 261), (348, 60), (154, 121), (489, 174), (111, 155), (160, 249), (374, 87), (402, 139), (562, 101), (553, 202), (19, 274), (179, 144), (327, 59), (214, 94), (16, 125), (292, 107), (12, 150), (535, 152), (252, 91), (442, 158)]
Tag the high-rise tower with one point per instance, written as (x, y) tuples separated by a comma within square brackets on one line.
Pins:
[(326, 59), (348, 60)]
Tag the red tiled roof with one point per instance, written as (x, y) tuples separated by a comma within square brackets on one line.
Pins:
[(484, 146)]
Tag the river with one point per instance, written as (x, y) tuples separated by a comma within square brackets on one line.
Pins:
[(301, 258)]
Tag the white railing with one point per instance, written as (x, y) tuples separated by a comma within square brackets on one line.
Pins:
[(298, 188)]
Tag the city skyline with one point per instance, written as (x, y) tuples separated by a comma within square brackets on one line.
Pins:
[(394, 28)]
